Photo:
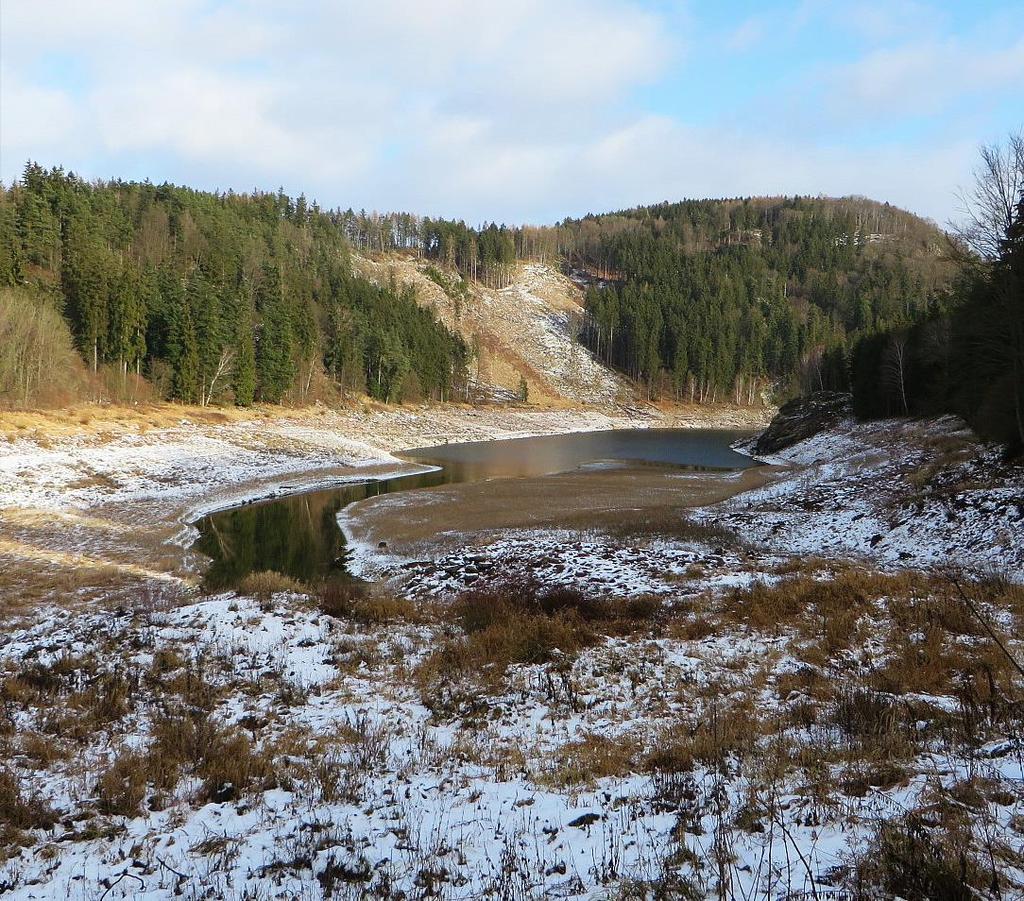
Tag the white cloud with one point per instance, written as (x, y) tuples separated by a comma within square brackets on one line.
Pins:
[(926, 76), (513, 111), (34, 121)]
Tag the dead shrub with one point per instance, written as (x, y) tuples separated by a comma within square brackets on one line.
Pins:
[(192, 686), (500, 602), (880, 734), (180, 738), (166, 660), (184, 740), (122, 786), (339, 598), (231, 766), (42, 750), (804, 680), (907, 859), (827, 608), (38, 683), (589, 758), (357, 602), (107, 700), (265, 584), (517, 622), (694, 628), (82, 714), (19, 812), (861, 713), (708, 740), (455, 674), (513, 623)]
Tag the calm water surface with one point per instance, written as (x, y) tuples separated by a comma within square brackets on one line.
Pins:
[(298, 535)]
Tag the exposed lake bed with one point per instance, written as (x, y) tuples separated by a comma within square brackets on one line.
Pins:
[(612, 666), (471, 487)]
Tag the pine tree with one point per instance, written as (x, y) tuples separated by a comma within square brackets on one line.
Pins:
[(186, 361), (244, 382), (275, 363)]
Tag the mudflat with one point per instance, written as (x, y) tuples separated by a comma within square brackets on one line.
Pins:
[(620, 497)]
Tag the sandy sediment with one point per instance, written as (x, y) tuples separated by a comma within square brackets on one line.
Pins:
[(424, 523), (118, 487)]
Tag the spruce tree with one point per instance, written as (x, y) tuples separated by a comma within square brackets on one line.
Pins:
[(244, 381)]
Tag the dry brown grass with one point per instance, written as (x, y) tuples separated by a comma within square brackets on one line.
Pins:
[(111, 419), (591, 757), (185, 740), (121, 788), (18, 811), (722, 731), (263, 585), (911, 858), (518, 622), (827, 607), (362, 603), (669, 522)]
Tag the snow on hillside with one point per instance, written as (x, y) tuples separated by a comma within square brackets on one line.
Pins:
[(901, 492), (524, 316)]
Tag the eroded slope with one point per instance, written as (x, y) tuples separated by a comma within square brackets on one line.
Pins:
[(523, 331)]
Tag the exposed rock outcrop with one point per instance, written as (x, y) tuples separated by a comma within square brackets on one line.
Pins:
[(802, 418)]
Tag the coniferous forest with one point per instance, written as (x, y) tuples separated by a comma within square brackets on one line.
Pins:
[(713, 300), (214, 297), (233, 298)]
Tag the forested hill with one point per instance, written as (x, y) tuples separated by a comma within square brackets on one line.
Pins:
[(211, 297), (712, 299), (214, 297)]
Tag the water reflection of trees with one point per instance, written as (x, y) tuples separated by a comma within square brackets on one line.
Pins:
[(295, 536)]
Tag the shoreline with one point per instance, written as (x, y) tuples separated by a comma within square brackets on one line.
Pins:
[(473, 513), (103, 488)]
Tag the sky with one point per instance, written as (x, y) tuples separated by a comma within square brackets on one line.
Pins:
[(517, 111)]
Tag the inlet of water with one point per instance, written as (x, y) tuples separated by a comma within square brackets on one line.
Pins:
[(298, 534)]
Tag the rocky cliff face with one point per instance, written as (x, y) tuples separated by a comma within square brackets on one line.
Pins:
[(802, 418), (524, 332)]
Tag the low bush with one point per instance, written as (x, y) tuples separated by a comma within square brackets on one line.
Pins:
[(122, 786), (358, 602), (708, 741), (231, 766), (519, 622), (265, 584), (910, 860), (18, 811), (589, 758), (861, 713)]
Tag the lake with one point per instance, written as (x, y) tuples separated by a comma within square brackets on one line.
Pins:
[(298, 535)]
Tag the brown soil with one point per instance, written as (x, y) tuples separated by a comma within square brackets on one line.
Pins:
[(412, 521)]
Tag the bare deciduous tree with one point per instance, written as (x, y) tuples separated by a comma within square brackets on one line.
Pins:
[(894, 369), (37, 359), (989, 207), (222, 372)]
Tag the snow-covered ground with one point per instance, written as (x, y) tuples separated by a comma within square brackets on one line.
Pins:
[(589, 561), (897, 492), (194, 459), (759, 725), (561, 783)]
